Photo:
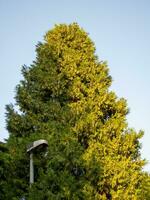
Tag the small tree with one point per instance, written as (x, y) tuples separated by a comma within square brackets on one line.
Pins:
[(65, 99)]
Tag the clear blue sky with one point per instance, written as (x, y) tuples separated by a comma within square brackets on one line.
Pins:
[(120, 30)]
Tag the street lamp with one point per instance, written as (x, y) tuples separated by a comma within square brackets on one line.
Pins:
[(38, 144)]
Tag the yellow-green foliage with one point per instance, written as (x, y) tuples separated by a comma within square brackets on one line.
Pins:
[(65, 99)]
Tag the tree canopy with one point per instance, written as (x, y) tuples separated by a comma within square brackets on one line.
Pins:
[(65, 98)]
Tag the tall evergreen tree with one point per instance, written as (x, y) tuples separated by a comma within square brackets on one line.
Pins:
[(65, 99)]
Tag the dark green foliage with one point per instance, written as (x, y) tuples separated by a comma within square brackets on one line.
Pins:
[(3, 168), (65, 99)]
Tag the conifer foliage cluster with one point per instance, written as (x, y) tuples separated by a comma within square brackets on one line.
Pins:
[(65, 98)]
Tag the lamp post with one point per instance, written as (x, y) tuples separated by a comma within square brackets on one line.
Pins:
[(30, 149)]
